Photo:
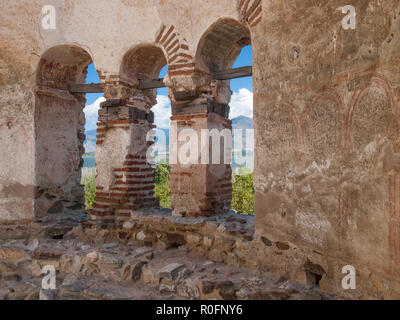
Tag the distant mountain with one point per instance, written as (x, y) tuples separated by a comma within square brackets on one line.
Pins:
[(91, 134), (162, 146), (245, 140), (241, 122)]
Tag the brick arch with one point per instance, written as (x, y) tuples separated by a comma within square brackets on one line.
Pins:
[(179, 59), (144, 61), (221, 44), (250, 12), (61, 65), (125, 178)]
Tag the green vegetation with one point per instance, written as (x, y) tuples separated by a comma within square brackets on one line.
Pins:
[(161, 185), (242, 189), (243, 193), (89, 181)]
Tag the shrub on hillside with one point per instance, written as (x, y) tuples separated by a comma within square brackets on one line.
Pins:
[(242, 190), (161, 185), (243, 193), (89, 181)]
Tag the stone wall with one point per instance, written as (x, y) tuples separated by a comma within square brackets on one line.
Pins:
[(329, 125), (16, 133)]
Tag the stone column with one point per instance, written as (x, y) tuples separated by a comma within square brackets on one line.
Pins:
[(125, 179), (201, 186)]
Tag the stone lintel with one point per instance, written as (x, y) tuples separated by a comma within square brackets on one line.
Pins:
[(201, 105)]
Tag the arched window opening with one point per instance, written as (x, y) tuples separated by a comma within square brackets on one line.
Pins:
[(93, 101), (222, 44), (59, 134), (148, 62), (162, 116), (241, 114), (225, 47)]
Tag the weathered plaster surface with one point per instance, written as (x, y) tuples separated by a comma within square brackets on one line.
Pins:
[(327, 117)]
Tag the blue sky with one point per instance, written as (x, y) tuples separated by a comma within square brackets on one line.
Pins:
[(241, 102), (245, 59), (92, 77)]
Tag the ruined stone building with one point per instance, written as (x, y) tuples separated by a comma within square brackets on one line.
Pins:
[(326, 118)]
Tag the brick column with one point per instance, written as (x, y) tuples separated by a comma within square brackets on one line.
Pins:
[(200, 188), (125, 180)]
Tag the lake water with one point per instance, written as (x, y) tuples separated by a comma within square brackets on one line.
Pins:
[(89, 162)]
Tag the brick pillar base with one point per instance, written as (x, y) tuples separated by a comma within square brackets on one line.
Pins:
[(125, 180), (203, 188)]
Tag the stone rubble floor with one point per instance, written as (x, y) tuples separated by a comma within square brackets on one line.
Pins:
[(132, 272)]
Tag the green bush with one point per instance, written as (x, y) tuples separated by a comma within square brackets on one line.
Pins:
[(161, 185), (242, 190), (89, 181), (243, 194)]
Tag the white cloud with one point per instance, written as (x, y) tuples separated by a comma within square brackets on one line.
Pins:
[(90, 147), (162, 112), (241, 104), (91, 113)]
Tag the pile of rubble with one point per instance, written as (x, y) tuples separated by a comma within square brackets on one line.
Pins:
[(130, 271)]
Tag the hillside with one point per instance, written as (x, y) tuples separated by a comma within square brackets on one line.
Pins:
[(241, 122)]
